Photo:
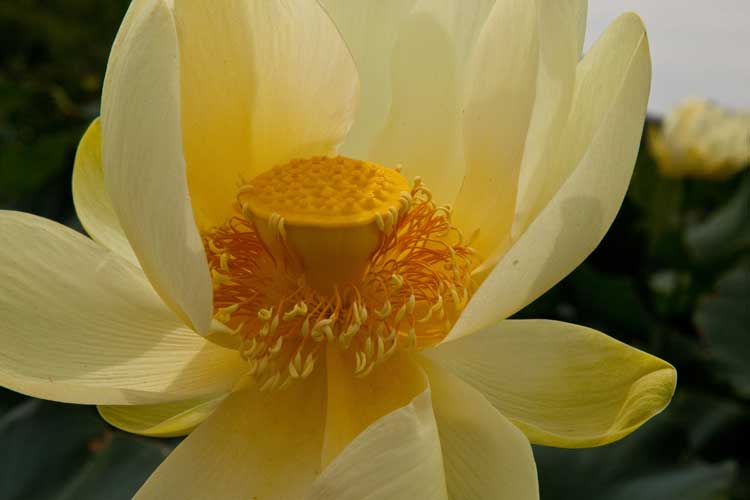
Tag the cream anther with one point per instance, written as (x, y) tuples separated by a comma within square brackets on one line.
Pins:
[(265, 314)]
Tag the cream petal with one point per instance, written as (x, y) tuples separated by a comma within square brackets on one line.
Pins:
[(412, 57), (398, 457), (370, 29), (561, 384), (144, 168), (485, 455), (263, 445), (163, 420), (575, 220), (599, 79), (581, 8), (499, 102), (560, 25), (90, 197), (262, 83), (355, 403), (83, 325)]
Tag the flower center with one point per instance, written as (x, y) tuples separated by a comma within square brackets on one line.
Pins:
[(338, 251), (324, 218)]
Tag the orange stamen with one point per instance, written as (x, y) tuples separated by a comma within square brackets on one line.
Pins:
[(414, 286)]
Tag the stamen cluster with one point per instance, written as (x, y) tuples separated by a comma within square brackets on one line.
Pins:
[(416, 284)]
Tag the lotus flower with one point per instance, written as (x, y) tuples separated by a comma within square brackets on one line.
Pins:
[(309, 226), (700, 139)]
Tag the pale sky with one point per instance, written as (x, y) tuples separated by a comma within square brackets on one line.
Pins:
[(699, 48)]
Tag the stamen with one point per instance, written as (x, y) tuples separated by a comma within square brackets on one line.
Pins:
[(412, 287)]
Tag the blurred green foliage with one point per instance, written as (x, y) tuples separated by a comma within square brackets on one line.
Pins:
[(52, 59), (672, 277)]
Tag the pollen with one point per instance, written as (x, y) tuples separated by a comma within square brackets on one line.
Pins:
[(334, 251)]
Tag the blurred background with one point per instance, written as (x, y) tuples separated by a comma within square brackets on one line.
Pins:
[(672, 276)]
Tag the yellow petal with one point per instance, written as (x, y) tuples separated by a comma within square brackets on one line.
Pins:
[(561, 27), (263, 445), (581, 7), (144, 168), (93, 206), (262, 83), (370, 29), (485, 455), (600, 77), (575, 220), (162, 420), (412, 57), (355, 403), (499, 102), (82, 325), (561, 384), (398, 457)]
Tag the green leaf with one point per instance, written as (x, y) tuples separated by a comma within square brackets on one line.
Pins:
[(671, 292), (608, 302), (46, 440), (707, 419), (25, 168), (724, 319), (67, 452), (648, 465), (660, 201), (725, 232), (695, 482), (117, 471)]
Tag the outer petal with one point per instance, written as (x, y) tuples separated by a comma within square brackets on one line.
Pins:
[(412, 57), (262, 83), (93, 206), (575, 220), (263, 445), (562, 25), (355, 403), (397, 458), (82, 325), (499, 101), (581, 7), (600, 77), (144, 168), (163, 420), (485, 455), (561, 384)]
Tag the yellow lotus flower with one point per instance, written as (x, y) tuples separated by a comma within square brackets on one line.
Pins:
[(353, 341), (700, 139)]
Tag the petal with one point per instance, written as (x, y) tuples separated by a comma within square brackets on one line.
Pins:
[(499, 102), (162, 420), (144, 168), (396, 458), (561, 27), (262, 83), (561, 384), (485, 455), (581, 14), (93, 206), (263, 445), (355, 403), (575, 220), (82, 325), (370, 29), (412, 57), (600, 77)]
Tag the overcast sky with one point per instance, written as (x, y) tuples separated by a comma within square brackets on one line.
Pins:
[(699, 47)]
